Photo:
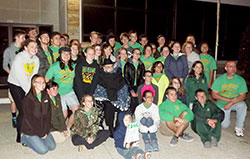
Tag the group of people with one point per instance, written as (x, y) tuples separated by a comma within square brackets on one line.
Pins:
[(164, 86)]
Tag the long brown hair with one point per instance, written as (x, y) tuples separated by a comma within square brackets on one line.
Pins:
[(181, 90), (33, 80), (192, 73)]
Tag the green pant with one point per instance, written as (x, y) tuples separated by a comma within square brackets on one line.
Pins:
[(205, 131)]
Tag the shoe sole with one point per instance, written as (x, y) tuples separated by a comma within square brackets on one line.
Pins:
[(188, 140), (173, 145)]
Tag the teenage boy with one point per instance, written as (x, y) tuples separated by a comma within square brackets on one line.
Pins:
[(143, 39), (45, 54), (133, 40), (55, 44), (176, 116), (8, 57), (207, 119)]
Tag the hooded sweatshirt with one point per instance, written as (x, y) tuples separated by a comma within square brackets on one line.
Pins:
[(22, 70), (120, 132), (9, 56), (86, 78)]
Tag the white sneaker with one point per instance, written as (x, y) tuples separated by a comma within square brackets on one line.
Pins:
[(238, 132)]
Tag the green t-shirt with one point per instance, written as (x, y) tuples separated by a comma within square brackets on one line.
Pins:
[(117, 46), (55, 52), (209, 64), (83, 50), (148, 63), (136, 66), (39, 97), (53, 100), (169, 110), (136, 45), (157, 76), (48, 57), (64, 78), (162, 59), (17, 48), (90, 111), (229, 88)]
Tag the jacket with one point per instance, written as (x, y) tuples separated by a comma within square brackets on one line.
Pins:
[(209, 111), (44, 63), (86, 78), (120, 131), (130, 76), (162, 85), (57, 118), (36, 115), (176, 68), (84, 125)]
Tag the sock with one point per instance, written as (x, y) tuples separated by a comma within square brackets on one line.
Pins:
[(13, 115)]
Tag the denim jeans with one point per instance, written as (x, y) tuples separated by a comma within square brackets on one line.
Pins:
[(147, 137), (39, 145), (128, 153), (241, 111)]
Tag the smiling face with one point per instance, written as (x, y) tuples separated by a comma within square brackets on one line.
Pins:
[(88, 102), (188, 48), (90, 55), (148, 51), (231, 68), (204, 48), (53, 91), (74, 50), (172, 96), (165, 52), (198, 68), (201, 97), (39, 84), (136, 54), (56, 41), (158, 68), (44, 39), (133, 37), (176, 48), (161, 41), (98, 51), (31, 48), (148, 99), (123, 54), (176, 84), (65, 56), (112, 41), (107, 51)]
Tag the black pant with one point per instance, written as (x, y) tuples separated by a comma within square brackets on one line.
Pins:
[(18, 95), (133, 105), (101, 136), (109, 115)]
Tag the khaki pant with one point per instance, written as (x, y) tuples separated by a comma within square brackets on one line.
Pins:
[(164, 130)]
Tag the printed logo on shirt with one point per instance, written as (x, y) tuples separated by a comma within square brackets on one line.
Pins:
[(29, 68), (177, 108), (67, 77), (88, 74), (205, 63), (229, 90), (55, 55)]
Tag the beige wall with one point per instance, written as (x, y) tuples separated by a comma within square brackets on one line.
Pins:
[(31, 11)]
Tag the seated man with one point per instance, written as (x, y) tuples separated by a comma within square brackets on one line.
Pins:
[(230, 92), (112, 91), (176, 116), (207, 119)]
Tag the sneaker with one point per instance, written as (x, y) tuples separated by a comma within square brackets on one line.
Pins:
[(155, 146), (81, 147), (147, 155), (174, 141), (148, 147), (187, 137), (14, 122), (207, 144), (214, 142), (238, 132), (137, 156)]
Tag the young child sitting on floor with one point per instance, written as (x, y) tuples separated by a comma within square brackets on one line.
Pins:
[(176, 116), (147, 115), (128, 151)]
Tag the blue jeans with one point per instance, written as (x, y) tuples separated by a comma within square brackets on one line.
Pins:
[(128, 153), (39, 145), (241, 111), (147, 137)]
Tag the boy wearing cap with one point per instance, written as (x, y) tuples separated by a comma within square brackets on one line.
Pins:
[(63, 72)]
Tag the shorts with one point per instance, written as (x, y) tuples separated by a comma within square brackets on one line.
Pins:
[(10, 96), (69, 100)]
